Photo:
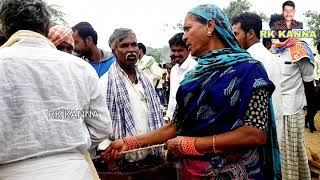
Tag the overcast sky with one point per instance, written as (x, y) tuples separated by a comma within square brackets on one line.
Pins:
[(147, 18)]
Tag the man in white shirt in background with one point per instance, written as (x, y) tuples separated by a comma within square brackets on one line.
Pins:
[(52, 108), (148, 65), (247, 27), (184, 63)]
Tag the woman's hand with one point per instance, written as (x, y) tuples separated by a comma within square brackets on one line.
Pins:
[(173, 145), (113, 150)]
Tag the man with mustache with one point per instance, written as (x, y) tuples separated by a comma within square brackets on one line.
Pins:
[(85, 45), (288, 11), (184, 63), (131, 99)]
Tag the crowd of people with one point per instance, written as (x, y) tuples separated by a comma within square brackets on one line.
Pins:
[(230, 107)]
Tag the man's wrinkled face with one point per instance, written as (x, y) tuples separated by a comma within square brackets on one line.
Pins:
[(80, 45), (288, 13), (179, 53), (127, 51), (240, 35)]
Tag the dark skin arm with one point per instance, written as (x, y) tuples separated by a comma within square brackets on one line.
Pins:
[(158, 136), (243, 137)]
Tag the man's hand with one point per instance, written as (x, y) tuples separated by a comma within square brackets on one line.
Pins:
[(113, 150), (173, 145)]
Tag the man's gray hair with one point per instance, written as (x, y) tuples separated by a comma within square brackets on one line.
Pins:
[(118, 35)]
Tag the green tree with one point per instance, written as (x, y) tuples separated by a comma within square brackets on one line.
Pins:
[(313, 22), (165, 53), (237, 7), (155, 53), (57, 15)]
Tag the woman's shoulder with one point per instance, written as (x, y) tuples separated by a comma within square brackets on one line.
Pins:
[(250, 66)]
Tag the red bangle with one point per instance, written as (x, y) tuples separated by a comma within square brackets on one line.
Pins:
[(187, 146), (131, 142)]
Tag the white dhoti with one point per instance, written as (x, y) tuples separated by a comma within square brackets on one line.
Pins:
[(68, 166)]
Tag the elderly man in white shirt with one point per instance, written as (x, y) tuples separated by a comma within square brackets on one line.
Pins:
[(247, 27), (131, 98), (184, 63), (52, 108)]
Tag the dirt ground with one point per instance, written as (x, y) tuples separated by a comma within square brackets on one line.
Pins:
[(313, 139)]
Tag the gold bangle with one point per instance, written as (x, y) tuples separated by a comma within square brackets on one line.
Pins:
[(214, 144)]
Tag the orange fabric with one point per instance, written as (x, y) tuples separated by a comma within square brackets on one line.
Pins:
[(59, 34), (296, 49), (298, 52)]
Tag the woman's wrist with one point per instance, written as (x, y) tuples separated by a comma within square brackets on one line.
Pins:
[(131, 142), (187, 146)]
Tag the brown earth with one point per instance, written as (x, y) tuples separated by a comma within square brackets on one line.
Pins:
[(312, 140)]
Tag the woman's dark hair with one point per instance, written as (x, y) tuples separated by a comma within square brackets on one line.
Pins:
[(204, 22), (18, 15), (200, 19)]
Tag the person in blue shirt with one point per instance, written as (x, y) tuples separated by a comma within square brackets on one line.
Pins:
[(85, 42)]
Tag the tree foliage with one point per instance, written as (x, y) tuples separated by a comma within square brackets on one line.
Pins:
[(57, 15), (159, 54), (237, 7), (313, 22)]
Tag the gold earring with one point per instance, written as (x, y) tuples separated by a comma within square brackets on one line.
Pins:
[(209, 34)]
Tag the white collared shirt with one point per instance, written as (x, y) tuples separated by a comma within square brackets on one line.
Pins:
[(176, 76), (272, 65), (292, 88), (37, 80)]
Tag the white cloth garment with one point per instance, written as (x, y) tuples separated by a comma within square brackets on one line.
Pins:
[(150, 68), (138, 105), (272, 65), (139, 109), (67, 166), (40, 86), (176, 76)]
